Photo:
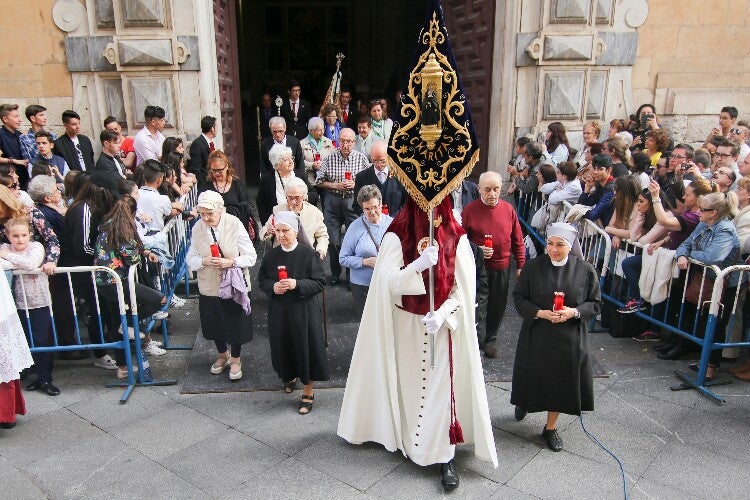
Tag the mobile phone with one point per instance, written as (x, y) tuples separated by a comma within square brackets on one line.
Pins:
[(645, 118)]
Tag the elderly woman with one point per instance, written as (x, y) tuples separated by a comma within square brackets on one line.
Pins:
[(556, 295), (223, 179), (714, 243), (332, 123), (49, 200), (309, 215), (315, 147), (219, 242), (291, 274), (359, 250), (591, 132), (273, 183)]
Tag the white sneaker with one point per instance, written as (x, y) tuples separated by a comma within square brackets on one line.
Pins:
[(177, 301), (131, 333), (154, 350), (105, 362), (160, 315)]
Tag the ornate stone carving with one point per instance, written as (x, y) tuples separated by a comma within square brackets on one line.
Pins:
[(603, 11), (563, 95), (631, 13), (138, 13), (145, 91), (569, 11), (181, 53), (70, 16), (568, 48), (145, 52), (110, 53), (534, 48), (597, 91)]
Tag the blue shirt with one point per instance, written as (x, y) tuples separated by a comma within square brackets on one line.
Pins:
[(714, 245), (28, 146), (10, 143), (358, 245)]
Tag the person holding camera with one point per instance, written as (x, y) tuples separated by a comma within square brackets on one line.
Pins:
[(644, 120)]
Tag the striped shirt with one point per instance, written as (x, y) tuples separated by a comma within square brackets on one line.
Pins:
[(334, 167)]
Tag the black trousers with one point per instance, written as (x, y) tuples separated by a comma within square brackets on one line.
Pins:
[(497, 284), (41, 333), (338, 211), (359, 297)]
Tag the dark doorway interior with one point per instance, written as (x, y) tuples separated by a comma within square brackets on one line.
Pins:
[(280, 40)]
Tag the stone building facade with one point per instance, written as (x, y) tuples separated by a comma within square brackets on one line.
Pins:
[(525, 63)]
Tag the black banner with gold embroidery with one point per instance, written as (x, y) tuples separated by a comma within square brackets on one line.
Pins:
[(433, 146)]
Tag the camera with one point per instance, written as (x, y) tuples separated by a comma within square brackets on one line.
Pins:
[(645, 117), (684, 166)]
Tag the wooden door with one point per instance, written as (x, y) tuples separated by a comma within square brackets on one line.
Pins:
[(471, 26), (229, 82)]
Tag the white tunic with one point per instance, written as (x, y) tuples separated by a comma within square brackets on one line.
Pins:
[(14, 351), (392, 395)]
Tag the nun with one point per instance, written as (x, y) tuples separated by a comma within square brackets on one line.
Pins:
[(556, 295), (291, 274)]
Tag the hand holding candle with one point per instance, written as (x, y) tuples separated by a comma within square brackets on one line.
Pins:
[(282, 273), (559, 301), (215, 250)]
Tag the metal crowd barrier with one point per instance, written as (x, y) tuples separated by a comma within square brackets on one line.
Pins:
[(674, 314), (96, 315), (177, 232)]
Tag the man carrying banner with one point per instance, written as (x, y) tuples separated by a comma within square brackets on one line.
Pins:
[(415, 382)]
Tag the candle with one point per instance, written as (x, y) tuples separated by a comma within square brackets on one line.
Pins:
[(282, 273), (488, 240), (316, 157), (385, 209), (348, 176), (215, 250), (558, 302)]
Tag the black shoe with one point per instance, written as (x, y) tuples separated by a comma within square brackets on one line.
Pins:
[(677, 352), (7, 425), (490, 352), (46, 387), (449, 477), (554, 442), (520, 413), (33, 386)]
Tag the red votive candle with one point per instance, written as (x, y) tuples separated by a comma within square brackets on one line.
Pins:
[(282, 273), (488, 240), (348, 176), (385, 208), (316, 157), (215, 250), (559, 301)]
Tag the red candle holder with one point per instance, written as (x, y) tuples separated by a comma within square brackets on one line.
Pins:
[(282, 273), (385, 209), (215, 250), (559, 301), (488, 240), (316, 157), (348, 176)]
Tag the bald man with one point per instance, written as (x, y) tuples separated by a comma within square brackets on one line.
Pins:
[(336, 175), (486, 216), (394, 194)]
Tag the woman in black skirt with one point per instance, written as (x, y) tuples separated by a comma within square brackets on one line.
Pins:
[(220, 242), (291, 274)]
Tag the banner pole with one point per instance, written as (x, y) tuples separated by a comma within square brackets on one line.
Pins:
[(431, 279)]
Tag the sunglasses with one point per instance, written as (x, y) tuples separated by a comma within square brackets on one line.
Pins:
[(734, 131)]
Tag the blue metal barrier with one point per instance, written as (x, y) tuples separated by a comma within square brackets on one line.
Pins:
[(96, 315)]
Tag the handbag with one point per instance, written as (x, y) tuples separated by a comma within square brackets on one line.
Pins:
[(694, 293)]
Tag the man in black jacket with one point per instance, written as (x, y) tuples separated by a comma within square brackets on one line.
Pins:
[(201, 147), (109, 161), (296, 111), (74, 147), (394, 194), (279, 136)]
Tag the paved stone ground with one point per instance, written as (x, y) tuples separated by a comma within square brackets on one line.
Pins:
[(162, 444)]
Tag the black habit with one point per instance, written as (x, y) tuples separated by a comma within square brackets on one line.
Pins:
[(552, 371), (295, 322)]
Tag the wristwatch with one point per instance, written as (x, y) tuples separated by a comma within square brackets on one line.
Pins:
[(576, 314)]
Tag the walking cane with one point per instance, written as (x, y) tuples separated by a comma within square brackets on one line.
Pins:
[(325, 318)]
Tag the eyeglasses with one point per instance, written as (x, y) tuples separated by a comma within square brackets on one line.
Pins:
[(734, 131), (706, 209), (346, 141), (678, 157), (723, 155), (218, 170)]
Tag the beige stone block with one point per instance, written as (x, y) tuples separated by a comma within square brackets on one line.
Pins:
[(56, 80), (21, 89), (657, 40), (699, 41), (671, 13), (26, 13), (699, 79), (641, 72), (717, 12), (641, 96), (735, 42), (19, 49), (55, 107)]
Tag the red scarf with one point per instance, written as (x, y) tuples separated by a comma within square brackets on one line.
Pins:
[(411, 225)]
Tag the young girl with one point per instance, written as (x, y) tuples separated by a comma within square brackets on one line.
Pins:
[(14, 357), (118, 247), (32, 296)]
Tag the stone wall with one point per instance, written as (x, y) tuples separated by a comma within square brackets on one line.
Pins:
[(33, 60), (693, 58)]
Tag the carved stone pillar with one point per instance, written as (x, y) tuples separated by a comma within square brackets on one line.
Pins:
[(124, 55)]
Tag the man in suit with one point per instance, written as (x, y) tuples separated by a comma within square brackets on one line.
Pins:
[(74, 147), (462, 196), (394, 194), (266, 112), (279, 136), (349, 113), (296, 111), (110, 161), (201, 147)]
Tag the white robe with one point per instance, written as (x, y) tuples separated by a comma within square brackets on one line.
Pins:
[(392, 395)]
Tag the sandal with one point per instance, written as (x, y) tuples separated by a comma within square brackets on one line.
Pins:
[(290, 386), (221, 362), (235, 370), (305, 407)]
